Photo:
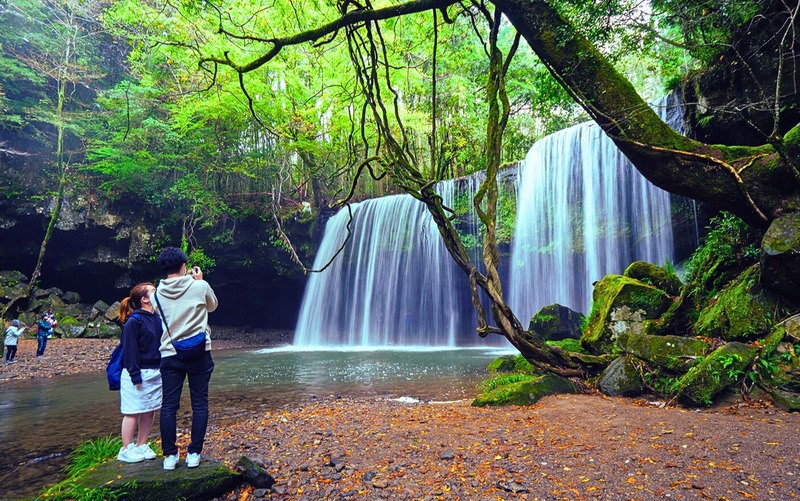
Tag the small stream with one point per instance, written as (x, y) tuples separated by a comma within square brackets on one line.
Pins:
[(42, 420)]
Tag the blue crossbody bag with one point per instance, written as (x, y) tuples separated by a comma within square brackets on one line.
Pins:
[(186, 349)]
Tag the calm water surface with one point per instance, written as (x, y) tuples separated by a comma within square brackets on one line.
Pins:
[(42, 420)]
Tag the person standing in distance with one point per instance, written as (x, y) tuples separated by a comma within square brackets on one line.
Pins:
[(184, 302)]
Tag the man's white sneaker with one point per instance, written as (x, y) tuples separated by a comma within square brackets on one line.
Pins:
[(146, 451), (170, 462), (192, 460), (130, 454)]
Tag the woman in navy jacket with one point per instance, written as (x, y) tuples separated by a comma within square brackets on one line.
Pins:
[(140, 384)]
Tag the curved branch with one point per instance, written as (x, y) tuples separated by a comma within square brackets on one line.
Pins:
[(348, 19)]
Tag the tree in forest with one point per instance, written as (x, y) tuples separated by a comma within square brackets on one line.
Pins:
[(50, 52), (758, 183)]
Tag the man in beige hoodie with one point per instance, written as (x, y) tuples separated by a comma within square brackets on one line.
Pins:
[(184, 301)]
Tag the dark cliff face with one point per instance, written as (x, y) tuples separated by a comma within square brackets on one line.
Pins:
[(102, 252), (732, 102)]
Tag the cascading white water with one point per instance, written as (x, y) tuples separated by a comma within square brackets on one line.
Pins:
[(583, 211), (394, 284)]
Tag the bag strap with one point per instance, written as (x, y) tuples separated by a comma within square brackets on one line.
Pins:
[(162, 317)]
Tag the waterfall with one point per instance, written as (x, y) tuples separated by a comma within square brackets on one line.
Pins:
[(583, 211), (393, 285)]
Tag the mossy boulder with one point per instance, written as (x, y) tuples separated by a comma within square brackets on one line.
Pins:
[(9, 292), (510, 363), (100, 307), (787, 400), (671, 352), (12, 277), (102, 330), (504, 363), (656, 276), (719, 370), (149, 481), (741, 311), (71, 297), (254, 473), (555, 322), (780, 257), (620, 304), (526, 392), (621, 378), (70, 326)]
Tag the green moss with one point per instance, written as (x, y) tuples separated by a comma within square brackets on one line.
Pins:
[(147, 480), (522, 365), (80, 462), (677, 353), (68, 321), (654, 275), (612, 293), (714, 373), (573, 345), (505, 363), (730, 246), (741, 311), (496, 382), (525, 392)]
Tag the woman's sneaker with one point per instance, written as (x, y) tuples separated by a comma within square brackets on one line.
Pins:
[(130, 454), (192, 460), (146, 451), (170, 462)]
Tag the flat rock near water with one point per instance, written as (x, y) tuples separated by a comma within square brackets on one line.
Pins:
[(147, 480)]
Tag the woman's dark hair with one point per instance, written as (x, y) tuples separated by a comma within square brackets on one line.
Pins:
[(134, 301), (171, 259)]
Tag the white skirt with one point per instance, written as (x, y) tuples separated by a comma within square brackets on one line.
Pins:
[(146, 397)]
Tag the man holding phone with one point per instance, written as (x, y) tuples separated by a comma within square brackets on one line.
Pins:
[(184, 301)]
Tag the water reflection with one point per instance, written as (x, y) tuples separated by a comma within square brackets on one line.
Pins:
[(45, 417)]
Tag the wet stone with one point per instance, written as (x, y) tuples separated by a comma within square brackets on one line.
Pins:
[(368, 476), (447, 454)]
